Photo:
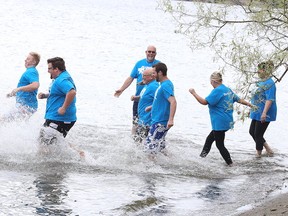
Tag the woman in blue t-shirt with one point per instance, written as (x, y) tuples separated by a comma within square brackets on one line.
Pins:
[(265, 111), (220, 102)]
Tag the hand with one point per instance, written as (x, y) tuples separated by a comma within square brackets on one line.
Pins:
[(170, 124), (132, 98), (61, 111), (13, 93), (118, 93), (42, 95), (192, 91), (263, 117), (148, 108), (253, 107)]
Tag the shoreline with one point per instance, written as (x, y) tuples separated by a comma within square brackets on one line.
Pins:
[(275, 206)]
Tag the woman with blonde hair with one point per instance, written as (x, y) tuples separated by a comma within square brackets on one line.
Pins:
[(220, 102)]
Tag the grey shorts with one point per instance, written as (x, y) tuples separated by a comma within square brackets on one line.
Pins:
[(54, 131)]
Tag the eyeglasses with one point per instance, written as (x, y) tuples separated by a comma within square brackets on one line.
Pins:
[(149, 51)]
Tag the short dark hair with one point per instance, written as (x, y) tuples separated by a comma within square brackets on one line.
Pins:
[(161, 67), (57, 62)]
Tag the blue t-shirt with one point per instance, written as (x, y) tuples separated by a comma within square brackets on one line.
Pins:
[(28, 98), (220, 103), (137, 72), (60, 87), (266, 91), (161, 106), (146, 99)]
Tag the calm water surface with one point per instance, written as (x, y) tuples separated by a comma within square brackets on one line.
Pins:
[(101, 41)]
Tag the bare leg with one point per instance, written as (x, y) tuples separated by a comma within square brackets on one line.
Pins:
[(81, 152)]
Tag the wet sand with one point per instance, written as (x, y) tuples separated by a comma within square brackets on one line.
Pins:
[(272, 207)]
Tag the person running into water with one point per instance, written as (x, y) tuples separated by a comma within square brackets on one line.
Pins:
[(60, 114), (26, 91), (264, 99), (136, 73), (220, 102), (162, 113), (145, 99)]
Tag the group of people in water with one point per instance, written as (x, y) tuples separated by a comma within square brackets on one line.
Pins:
[(60, 114), (154, 106)]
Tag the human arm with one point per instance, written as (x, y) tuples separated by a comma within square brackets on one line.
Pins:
[(68, 100), (28, 88), (173, 105), (244, 102), (125, 85), (267, 106), (198, 98)]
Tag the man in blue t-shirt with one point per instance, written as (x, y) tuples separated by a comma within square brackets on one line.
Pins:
[(163, 111), (60, 115), (145, 99), (136, 73), (26, 91)]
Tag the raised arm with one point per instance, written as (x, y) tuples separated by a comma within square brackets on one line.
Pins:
[(125, 85), (198, 98)]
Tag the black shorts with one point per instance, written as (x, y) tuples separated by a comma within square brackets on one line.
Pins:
[(62, 127)]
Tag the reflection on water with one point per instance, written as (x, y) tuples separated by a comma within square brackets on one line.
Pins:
[(210, 192), (52, 192), (148, 202)]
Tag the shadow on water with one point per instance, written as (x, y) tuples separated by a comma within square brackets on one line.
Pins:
[(52, 192)]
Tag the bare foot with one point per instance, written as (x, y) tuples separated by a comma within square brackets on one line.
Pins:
[(258, 154), (269, 151), (82, 154)]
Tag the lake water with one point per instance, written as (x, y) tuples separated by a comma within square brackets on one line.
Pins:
[(100, 42)]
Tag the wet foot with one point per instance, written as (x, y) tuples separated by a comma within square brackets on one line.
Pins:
[(269, 151), (258, 154)]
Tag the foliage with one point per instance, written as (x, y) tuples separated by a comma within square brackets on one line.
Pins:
[(242, 33)]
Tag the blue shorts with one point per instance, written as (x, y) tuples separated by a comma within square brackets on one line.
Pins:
[(155, 141)]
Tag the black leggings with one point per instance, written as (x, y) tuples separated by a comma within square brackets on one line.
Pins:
[(218, 137), (257, 130)]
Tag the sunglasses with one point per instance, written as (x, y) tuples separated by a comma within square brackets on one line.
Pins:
[(149, 51)]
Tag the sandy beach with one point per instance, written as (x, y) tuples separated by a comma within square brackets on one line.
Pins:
[(274, 206)]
